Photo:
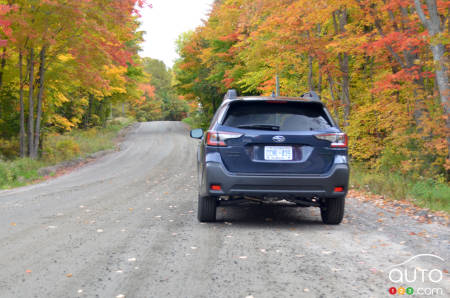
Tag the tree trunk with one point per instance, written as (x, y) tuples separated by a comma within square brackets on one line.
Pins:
[(343, 61), (2, 66), (22, 112), (333, 99), (433, 25), (310, 73), (39, 103), (339, 22), (31, 102)]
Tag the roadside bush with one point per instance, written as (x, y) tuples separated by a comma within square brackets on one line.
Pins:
[(58, 148), (18, 172), (428, 193), (9, 148)]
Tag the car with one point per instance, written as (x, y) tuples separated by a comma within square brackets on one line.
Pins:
[(273, 149)]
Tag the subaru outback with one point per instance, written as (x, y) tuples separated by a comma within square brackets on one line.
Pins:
[(273, 149)]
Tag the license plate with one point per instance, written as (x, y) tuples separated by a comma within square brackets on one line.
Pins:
[(278, 153)]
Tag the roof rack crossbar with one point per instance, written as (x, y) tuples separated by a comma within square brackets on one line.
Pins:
[(231, 94), (311, 95)]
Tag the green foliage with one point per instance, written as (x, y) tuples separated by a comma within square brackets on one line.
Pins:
[(427, 193), (9, 148), (18, 172), (160, 101), (59, 147), (375, 76), (197, 120)]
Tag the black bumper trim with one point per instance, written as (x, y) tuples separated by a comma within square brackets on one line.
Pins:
[(274, 185)]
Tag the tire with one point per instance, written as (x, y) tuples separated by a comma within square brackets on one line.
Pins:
[(333, 211), (206, 209)]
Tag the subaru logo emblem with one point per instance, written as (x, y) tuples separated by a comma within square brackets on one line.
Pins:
[(279, 139)]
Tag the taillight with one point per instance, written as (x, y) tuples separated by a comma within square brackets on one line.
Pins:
[(337, 140), (218, 138)]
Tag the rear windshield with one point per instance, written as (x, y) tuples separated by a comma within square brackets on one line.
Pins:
[(290, 116)]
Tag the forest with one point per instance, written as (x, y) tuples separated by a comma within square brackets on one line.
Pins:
[(380, 66), (67, 65), (71, 69)]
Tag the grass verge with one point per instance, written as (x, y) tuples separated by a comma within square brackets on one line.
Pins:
[(426, 193), (58, 148)]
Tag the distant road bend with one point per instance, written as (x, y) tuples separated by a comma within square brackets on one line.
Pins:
[(126, 225)]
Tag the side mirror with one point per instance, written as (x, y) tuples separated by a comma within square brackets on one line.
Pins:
[(197, 133)]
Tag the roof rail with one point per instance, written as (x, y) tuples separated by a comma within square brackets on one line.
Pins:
[(231, 94), (311, 95)]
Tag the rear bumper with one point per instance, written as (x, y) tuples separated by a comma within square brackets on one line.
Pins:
[(304, 186)]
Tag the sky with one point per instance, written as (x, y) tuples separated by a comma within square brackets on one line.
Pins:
[(165, 21)]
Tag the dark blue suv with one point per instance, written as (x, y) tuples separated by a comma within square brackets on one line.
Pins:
[(273, 149)]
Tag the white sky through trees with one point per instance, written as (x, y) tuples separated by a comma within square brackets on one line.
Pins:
[(166, 21)]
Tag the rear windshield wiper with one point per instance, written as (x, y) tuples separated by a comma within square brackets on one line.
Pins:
[(260, 126)]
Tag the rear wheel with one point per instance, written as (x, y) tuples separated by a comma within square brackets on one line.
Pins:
[(333, 211), (206, 209)]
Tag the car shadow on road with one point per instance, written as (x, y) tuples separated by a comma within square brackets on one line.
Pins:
[(272, 216)]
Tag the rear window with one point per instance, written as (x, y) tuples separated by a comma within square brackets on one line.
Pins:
[(290, 116)]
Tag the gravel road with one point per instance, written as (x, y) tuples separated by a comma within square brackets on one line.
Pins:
[(126, 225)]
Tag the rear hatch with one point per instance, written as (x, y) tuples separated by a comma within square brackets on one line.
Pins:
[(277, 137)]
